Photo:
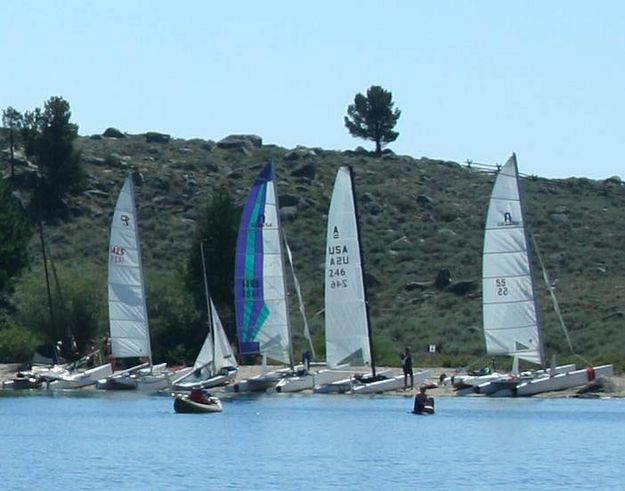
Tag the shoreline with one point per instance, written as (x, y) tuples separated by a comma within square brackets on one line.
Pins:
[(613, 388)]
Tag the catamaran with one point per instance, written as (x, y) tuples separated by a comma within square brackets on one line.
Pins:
[(347, 324), (511, 321), (215, 363), (261, 307), (128, 317)]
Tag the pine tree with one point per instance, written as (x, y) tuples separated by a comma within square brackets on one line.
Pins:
[(372, 117)]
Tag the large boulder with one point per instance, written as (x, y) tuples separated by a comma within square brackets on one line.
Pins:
[(155, 137), (462, 287), (113, 133), (306, 171), (241, 142)]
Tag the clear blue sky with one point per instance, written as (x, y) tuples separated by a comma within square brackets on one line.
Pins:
[(474, 79)]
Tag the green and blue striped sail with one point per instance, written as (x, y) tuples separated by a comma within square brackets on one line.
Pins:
[(259, 291)]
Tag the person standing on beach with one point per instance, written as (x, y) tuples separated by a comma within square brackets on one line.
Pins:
[(406, 363)]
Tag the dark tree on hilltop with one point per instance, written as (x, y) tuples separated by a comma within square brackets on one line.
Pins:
[(216, 230), (12, 120), (372, 117), (50, 136)]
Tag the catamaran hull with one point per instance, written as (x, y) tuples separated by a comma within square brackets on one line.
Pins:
[(390, 383), (216, 381), (82, 379), (22, 383), (116, 383), (561, 381), (358, 386), (507, 382), (341, 386), (310, 380), (261, 382)]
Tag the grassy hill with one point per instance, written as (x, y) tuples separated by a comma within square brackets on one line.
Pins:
[(419, 216)]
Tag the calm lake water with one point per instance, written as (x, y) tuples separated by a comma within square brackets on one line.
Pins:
[(127, 441)]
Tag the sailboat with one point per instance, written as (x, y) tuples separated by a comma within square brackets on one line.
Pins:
[(263, 324), (347, 324), (215, 363), (128, 317), (511, 321)]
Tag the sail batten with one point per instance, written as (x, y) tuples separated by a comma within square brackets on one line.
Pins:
[(510, 318), (346, 320), (260, 288), (128, 320)]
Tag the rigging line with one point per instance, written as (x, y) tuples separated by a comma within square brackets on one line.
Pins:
[(299, 296), (554, 300)]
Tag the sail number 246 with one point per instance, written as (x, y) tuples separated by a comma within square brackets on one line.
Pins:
[(502, 288), (338, 278)]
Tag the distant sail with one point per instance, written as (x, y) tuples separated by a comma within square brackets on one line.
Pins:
[(128, 318), (346, 323), (216, 343), (511, 324), (260, 288)]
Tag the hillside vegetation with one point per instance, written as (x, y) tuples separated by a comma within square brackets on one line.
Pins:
[(418, 217)]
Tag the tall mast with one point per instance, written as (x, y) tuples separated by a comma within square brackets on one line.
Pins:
[(140, 263), (362, 267), (531, 269), (281, 252), (209, 310)]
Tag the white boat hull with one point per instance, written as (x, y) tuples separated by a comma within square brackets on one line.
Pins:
[(560, 381), (391, 383), (506, 382), (355, 385), (81, 379), (262, 382), (310, 380), (191, 383), (139, 378)]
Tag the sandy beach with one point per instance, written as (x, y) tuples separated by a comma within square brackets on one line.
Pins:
[(612, 387)]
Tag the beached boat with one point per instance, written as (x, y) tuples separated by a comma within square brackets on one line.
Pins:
[(81, 377), (347, 324), (261, 307), (128, 316), (215, 363), (511, 321), (197, 402)]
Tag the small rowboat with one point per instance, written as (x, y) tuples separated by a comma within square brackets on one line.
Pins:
[(197, 403)]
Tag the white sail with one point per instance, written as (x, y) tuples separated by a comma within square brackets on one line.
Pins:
[(128, 319), (224, 357), (511, 324), (346, 323)]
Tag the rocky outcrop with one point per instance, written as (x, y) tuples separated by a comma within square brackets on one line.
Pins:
[(155, 137), (241, 142), (113, 133)]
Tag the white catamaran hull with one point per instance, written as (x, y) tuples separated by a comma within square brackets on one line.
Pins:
[(260, 383), (560, 381), (225, 376), (81, 379), (390, 383), (359, 385), (310, 380), (506, 382)]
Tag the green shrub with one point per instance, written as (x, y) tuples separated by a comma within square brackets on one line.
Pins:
[(17, 344)]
